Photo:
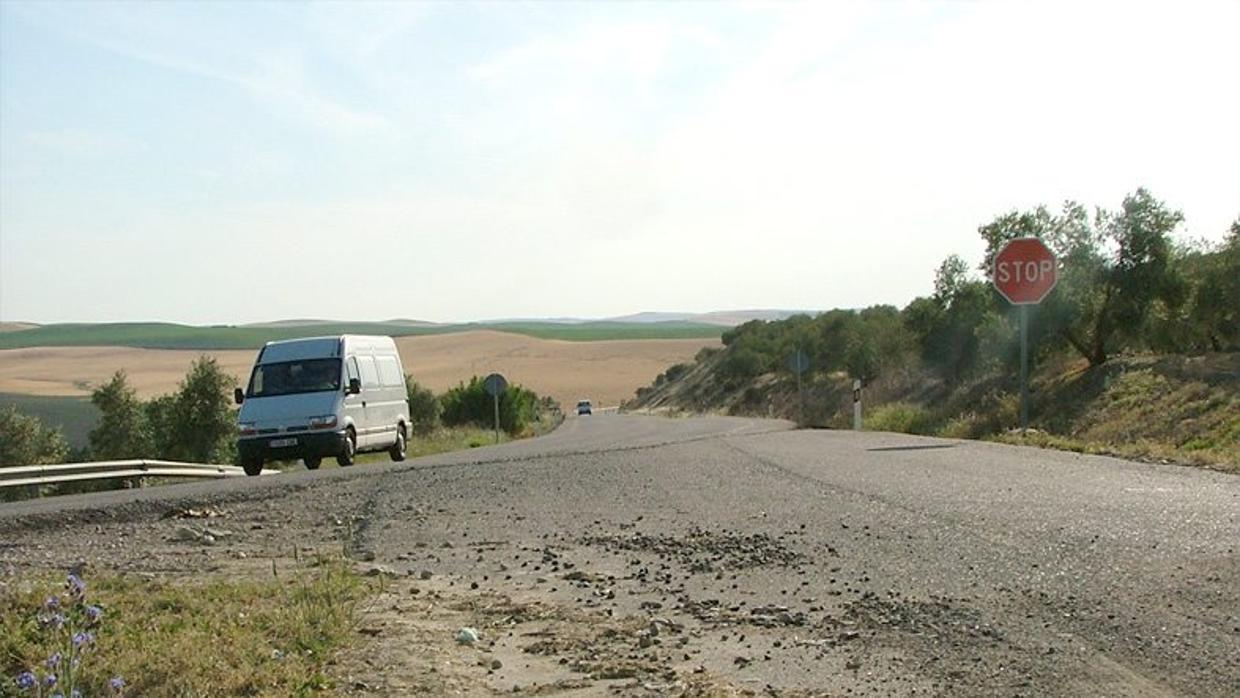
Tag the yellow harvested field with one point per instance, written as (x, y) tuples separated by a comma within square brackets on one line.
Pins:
[(606, 372)]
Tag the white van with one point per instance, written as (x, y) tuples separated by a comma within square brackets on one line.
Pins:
[(323, 396)]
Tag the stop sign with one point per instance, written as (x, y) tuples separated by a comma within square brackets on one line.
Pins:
[(1025, 271)]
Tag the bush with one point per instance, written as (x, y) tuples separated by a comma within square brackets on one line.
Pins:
[(675, 372), (470, 404), (25, 441), (424, 408), (900, 417), (706, 353)]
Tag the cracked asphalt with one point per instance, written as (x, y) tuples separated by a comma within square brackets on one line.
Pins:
[(724, 555)]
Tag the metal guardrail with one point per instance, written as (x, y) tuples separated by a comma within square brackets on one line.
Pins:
[(27, 475)]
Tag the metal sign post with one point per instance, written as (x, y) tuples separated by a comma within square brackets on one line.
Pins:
[(1024, 368), (495, 385), (1025, 272), (799, 363)]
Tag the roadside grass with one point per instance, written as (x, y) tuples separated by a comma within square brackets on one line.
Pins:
[(1149, 451), (442, 440), (151, 335), (191, 637)]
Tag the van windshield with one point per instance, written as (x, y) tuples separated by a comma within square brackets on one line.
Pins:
[(290, 377)]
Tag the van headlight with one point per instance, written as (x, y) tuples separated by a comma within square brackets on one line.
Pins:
[(327, 421), (246, 428)]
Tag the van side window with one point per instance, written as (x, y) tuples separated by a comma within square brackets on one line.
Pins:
[(389, 371), (351, 367), (370, 375)]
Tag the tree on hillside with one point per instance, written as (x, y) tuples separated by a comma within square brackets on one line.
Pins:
[(1114, 268), (25, 441), (876, 341), (123, 431), (952, 326), (1214, 311), (950, 280)]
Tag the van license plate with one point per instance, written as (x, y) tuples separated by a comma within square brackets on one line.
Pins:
[(281, 443)]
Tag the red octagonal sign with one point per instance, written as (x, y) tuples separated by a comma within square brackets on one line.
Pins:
[(1025, 271)]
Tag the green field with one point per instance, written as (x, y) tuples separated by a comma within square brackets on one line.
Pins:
[(74, 416), (151, 335)]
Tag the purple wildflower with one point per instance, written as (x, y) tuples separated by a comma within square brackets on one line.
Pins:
[(53, 661), (26, 681), (117, 684), (75, 585), (83, 638), (52, 603), (56, 619), (49, 680), (94, 613), (76, 693)]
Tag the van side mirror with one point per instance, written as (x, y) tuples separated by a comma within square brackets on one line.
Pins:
[(355, 386), (238, 395)]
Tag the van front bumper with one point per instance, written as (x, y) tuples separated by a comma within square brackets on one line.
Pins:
[(310, 444)]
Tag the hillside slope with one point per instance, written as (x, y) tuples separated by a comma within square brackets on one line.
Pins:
[(1176, 408)]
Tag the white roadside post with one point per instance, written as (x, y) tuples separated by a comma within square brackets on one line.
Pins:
[(856, 404)]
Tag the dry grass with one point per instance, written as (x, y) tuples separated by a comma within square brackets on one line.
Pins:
[(209, 637), (607, 372)]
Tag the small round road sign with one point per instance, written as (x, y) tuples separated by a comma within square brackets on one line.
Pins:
[(495, 385), (799, 362), (1025, 271)]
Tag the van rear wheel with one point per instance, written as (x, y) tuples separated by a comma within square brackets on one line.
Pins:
[(348, 450), (400, 448), (312, 463)]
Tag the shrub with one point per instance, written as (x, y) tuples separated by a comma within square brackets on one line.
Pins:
[(25, 441), (706, 353), (470, 404), (424, 408), (676, 371), (900, 417)]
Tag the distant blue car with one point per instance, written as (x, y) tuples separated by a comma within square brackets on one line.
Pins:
[(583, 407)]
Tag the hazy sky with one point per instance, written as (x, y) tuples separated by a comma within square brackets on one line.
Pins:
[(232, 162)]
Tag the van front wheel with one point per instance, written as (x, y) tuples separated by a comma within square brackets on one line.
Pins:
[(348, 450), (312, 463), (399, 449), (252, 467)]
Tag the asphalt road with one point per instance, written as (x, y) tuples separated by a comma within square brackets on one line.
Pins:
[(752, 557)]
